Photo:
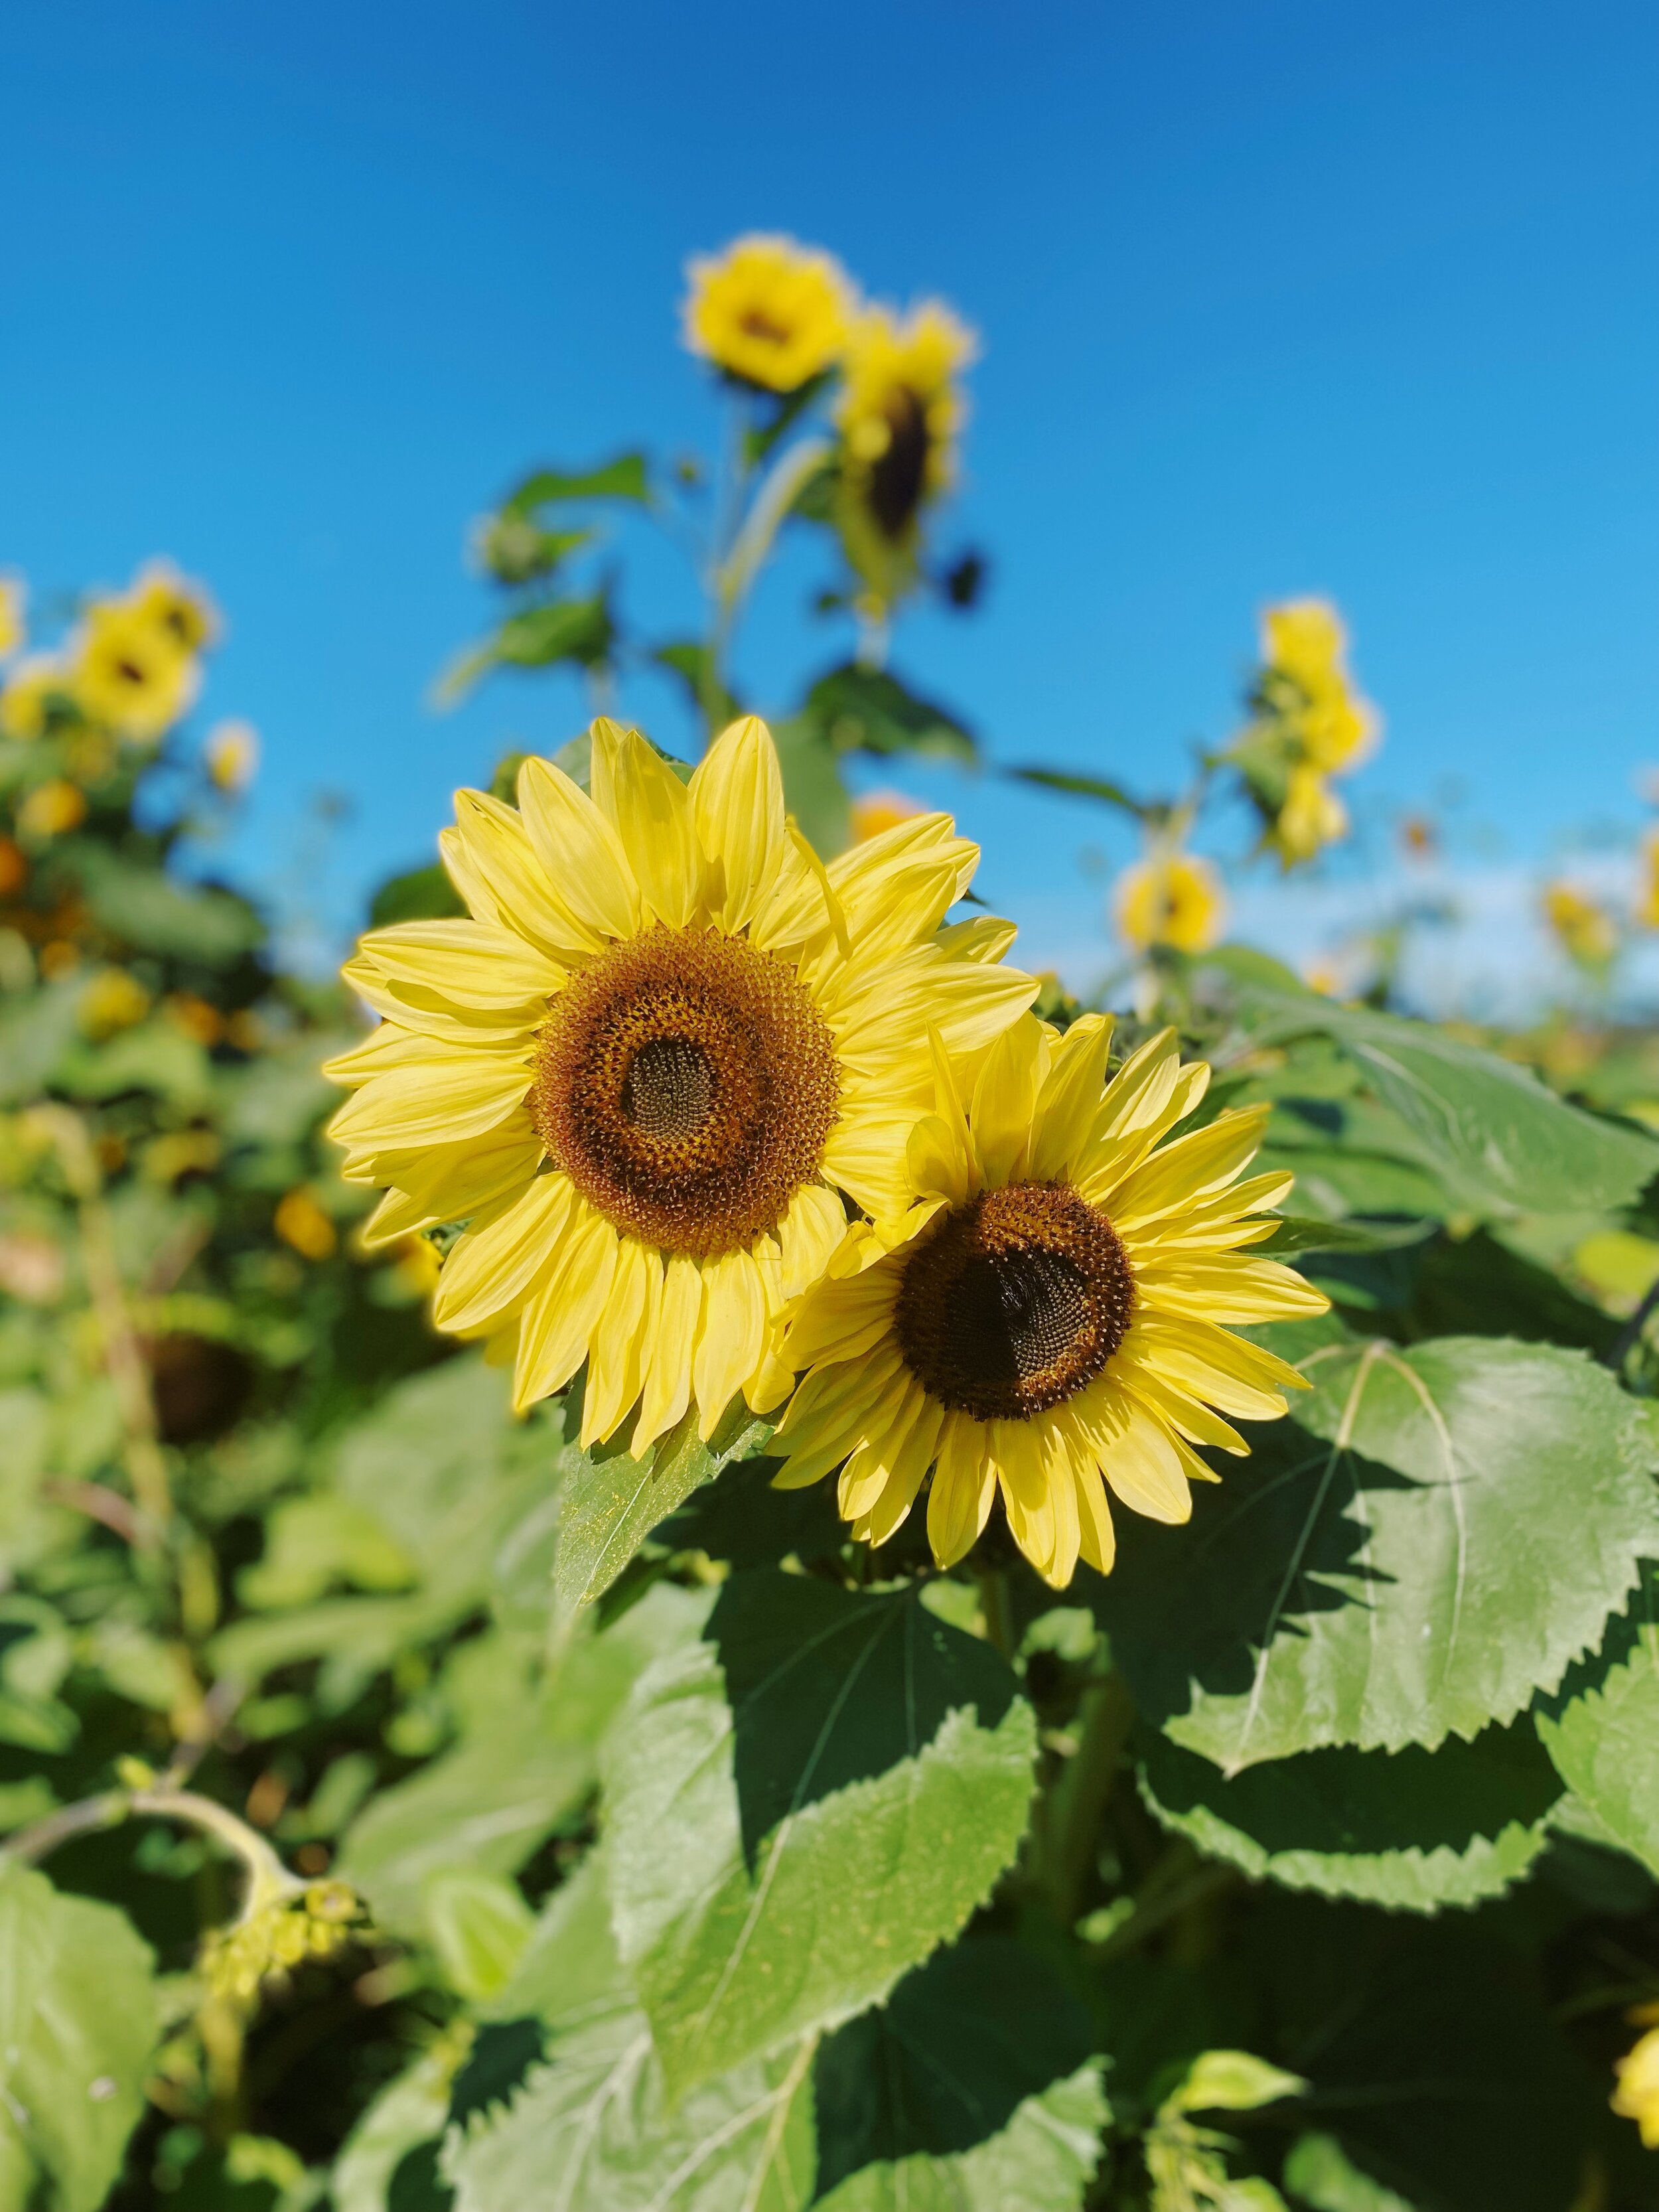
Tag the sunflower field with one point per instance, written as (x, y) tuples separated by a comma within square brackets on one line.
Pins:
[(688, 1546)]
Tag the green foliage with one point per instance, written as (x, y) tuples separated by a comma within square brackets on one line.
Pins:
[(1602, 1731)]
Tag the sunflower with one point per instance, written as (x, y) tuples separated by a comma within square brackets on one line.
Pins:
[(900, 412), (183, 612), (13, 601), (1305, 678), (30, 689), (647, 1068), (1050, 1310), (131, 673), (1311, 818), (768, 312), (1170, 898)]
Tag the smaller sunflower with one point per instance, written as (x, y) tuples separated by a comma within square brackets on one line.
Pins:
[(901, 412), (13, 601), (131, 672), (1311, 818), (1305, 681), (1053, 1314), (181, 610), (768, 312), (26, 700), (1170, 898)]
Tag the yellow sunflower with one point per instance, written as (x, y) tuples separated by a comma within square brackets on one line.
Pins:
[(182, 611), (1170, 898), (768, 311), (1304, 646), (645, 1069), (1311, 818), (900, 412), (30, 689), (13, 601), (131, 673), (1050, 1317)]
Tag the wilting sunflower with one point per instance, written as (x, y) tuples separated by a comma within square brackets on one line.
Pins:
[(768, 312), (1050, 1318), (899, 413), (1170, 898), (129, 672), (648, 1067)]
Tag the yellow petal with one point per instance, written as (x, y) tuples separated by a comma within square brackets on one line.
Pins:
[(1136, 1452), (982, 936), (731, 1335), (1244, 1380), (896, 888), (497, 853), (454, 1181), (737, 805), (620, 1338), (964, 1483), (557, 1325), (580, 853), (1191, 1167), (1179, 1410), (1097, 1539), (1071, 1099), (1224, 1287), (1062, 1493), (667, 1391), (397, 1216), (843, 1318), (650, 809), (909, 1467), (1005, 1096), (490, 1266), (473, 1093), (808, 1238)]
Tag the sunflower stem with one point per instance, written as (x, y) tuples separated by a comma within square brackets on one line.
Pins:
[(994, 1604), (1068, 1816)]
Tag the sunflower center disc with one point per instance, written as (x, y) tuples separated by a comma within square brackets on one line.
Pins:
[(686, 1084), (1014, 1301)]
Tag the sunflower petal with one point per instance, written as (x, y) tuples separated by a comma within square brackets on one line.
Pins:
[(650, 809), (737, 806), (667, 1390), (556, 1326), (580, 852), (731, 1335), (494, 1265)]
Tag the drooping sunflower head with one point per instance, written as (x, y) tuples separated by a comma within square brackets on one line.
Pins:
[(130, 673), (1051, 1318), (182, 611), (768, 312), (650, 1068), (900, 412), (1170, 898)]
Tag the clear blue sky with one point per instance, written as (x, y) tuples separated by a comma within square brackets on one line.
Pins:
[(1359, 299)]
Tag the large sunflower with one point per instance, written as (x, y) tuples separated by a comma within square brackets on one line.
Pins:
[(1051, 1310), (648, 1067), (768, 312)]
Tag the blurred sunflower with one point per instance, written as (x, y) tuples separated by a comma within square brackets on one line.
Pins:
[(25, 700), (768, 312), (182, 611), (647, 1067), (13, 600), (901, 410), (1582, 926), (131, 672), (1311, 818), (1051, 1316), (1305, 681), (1170, 898)]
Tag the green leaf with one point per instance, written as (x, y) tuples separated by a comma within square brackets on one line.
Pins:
[(1230, 2082), (948, 2061), (867, 710), (1042, 2162), (1503, 1142), (1296, 1234), (578, 630), (612, 1504), (418, 895), (78, 2022), (1602, 1731), (410, 2112), (623, 479), (813, 791), (844, 1778), (1319, 2172), (179, 922), (1436, 1535), (479, 1926), (1083, 786), (592, 2130), (1412, 1829), (527, 1759)]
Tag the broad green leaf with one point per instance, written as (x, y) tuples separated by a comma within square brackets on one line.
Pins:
[(1319, 2173), (78, 2022), (479, 1924), (592, 2129), (623, 479), (867, 710), (418, 895), (410, 2112), (1297, 1234), (1042, 2162), (565, 629), (1433, 1538), (181, 922), (528, 1757), (947, 2062), (1410, 1829), (1602, 1731), (813, 790), (611, 1504), (1504, 1143), (843, 1777)]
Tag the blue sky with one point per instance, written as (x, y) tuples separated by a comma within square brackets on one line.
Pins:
[(1275, 298)]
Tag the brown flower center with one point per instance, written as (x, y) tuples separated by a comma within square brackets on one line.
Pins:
[(686, 1084), (1013, 1301)]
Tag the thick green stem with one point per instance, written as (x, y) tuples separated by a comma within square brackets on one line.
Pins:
[(1068, 1820)]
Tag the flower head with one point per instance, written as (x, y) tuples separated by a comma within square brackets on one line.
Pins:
[(13, 601), (26, 699), (900, 412), (1311, 818), (52, 810), (1170, 898), (231, 756), (1637, 2096), (648, 1068), (1583, 928), (768, 312), (279, 1931), (180, 610), (131, 672), (1051, 1315), (114, 999)]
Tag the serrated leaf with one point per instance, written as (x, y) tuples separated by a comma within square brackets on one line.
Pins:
[(1504, 1142), (78, 2022), (592, 2129), (1433, 1538), (611, 1504), (843, 1777), (1602, 1731), (1042, 2162), (947, 2062), (1413, 1829), (408, 2113)]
